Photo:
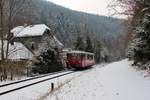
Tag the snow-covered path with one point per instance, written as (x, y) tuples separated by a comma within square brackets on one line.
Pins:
[(116, 81)]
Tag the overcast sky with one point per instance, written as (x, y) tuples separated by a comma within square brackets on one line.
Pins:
[(90, 6)]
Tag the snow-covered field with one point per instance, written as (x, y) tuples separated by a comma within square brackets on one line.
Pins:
[(115, 81)]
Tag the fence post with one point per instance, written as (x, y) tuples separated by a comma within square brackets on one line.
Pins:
[(52, 86)]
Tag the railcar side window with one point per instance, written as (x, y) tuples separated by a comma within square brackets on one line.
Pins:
[(78, 56), (69, 55), (89, 57), (74, 55)]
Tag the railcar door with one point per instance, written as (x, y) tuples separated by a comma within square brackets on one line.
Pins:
[(83, 60), (90, 60)]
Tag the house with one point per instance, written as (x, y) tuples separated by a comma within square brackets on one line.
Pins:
[(36, 37), (17, 51)]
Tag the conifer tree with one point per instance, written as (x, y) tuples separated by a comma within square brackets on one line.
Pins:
[(48, 61), (79, 44), (139, 49), (89, 47)]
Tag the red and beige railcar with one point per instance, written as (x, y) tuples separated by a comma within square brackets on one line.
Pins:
[(79, 59)]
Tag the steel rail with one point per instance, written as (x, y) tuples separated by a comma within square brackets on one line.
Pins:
[(21, 87), (24, 80)]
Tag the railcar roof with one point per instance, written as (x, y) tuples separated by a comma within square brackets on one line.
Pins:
[(74, 51)]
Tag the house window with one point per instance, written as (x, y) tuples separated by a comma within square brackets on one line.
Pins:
[(12, 42), (32, 46), (10, 38)]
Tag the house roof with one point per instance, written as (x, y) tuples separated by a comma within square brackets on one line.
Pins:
[(31, 30), (59, 43), (17, 51)]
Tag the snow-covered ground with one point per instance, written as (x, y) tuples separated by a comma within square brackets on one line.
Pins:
[(37, 91), (116, 81)]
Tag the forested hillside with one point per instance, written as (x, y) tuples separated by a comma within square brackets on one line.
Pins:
[(68, 25)]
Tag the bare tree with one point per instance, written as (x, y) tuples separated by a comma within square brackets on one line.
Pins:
[(9, 10), (122, 7), (131, 9), (13, 8), (1, 28)]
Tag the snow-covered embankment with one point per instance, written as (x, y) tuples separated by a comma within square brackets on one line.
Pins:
[(116, 81)]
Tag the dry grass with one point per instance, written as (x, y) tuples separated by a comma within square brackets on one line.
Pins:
[(51, 93), (11, 69)]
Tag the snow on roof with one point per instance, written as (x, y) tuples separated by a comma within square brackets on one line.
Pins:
[(17, 51), (56, 40), (31, 30), (16, 30)]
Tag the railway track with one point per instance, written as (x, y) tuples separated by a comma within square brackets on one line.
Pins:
[(17, 85), (36, 77)]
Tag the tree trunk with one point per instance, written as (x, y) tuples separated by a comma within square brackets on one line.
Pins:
[(1, 31)]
